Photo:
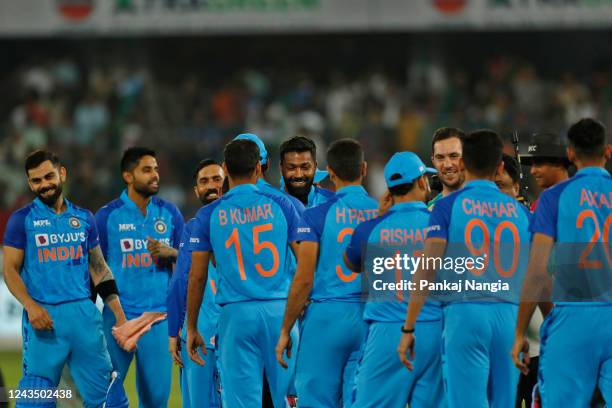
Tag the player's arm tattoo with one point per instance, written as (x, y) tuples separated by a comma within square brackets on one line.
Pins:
[(98, 268)]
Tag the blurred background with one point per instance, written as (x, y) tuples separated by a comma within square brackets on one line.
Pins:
[(89, 78)]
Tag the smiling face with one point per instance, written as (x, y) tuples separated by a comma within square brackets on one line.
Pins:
[(546, 173), (209, 183), (47, 181), (144, 178), (447, 160), (298, 170)]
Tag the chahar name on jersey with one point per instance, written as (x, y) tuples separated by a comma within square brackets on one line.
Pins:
[(246, 215), (488, 209)]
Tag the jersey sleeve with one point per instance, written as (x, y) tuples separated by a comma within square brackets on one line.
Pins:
[(439, 220), (178, 223), (313, 220), (359, 240), (173, 303), (199, 239), (93, 239), (296, 228), (544, 221), (101, 224), (15, 234)]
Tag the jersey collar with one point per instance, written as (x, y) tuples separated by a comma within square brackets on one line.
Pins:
[(592, 171), (131, 204), (408, 206), (351, 190), (481, 184), (44, 207), (242, 189)]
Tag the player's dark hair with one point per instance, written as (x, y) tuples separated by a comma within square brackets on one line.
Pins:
[(131, 157), (202, 164), (446, 133), (482, 152), (298, 144), (588, 138), (511, 167), (241, 157), (38, 157), (400, 189), (345, 158)]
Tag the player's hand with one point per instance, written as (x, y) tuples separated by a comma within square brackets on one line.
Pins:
[(520, 354), (39, 316), (385, 202), (284, 343), (195, 342), (406, 345), (159, 250), (174, 347)]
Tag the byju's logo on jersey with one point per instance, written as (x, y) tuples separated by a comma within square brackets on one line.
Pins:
[(160, 227), (127, 227), (127, 245), (74, 222), (42, 223), (42, 240)]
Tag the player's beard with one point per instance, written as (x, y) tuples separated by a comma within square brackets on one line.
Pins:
[(299, 192), (146, 189), (50, 200), (209, 196)]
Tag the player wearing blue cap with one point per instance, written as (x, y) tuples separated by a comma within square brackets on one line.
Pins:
[(250, 232), (51, 253), (298, 165), (382, 380), (327, 356), (576, 351), (198, 383), (478, 334), (139, 234)]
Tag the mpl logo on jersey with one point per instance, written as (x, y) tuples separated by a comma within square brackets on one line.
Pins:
[(41, 223), (59, 247)]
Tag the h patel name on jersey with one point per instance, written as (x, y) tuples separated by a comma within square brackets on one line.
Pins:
[(595, 199), (246, 215), (135, 253), (354, 215), (50, 251)]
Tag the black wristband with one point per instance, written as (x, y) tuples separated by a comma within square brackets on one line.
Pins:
[(407, 331), (107, 288)]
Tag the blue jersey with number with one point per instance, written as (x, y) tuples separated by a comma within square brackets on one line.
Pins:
[(481, 221), (331, 226), (177, 294), (249, 232), (403, 226), (576, 212), (142, 282), (55, 250)]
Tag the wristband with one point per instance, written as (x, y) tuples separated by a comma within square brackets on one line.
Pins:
[(407, 331), (107, 288)]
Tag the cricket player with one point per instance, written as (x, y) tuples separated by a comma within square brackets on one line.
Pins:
[(576, 351), (382, 380), (327, 357), (446, 159), (250, 232), (298, 165), (139, 234), (51, 252), (477, 333), (198, 383)]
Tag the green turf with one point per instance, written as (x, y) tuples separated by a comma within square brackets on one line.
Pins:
[(10, 363)]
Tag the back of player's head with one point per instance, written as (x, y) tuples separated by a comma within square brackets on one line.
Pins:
[(587, 138), (131, 157), (298, 144), (345, 158), (241, 157), (204, 163), (446, 133), (38, 157), (511, 167), (482, 152), (263, 152)]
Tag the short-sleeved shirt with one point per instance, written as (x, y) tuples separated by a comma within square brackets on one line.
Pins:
[(403, 226), (142, 283), (249, 232), (56, 249), (331, 226), (318, 196)]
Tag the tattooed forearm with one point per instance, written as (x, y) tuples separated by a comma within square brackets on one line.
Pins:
[(98, 269)]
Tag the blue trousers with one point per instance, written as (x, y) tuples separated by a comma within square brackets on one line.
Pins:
[(383, 381), (248, 333), (199, 383), (331, 340), (153, 362), (76, 339), (477, 367), (575, 355)]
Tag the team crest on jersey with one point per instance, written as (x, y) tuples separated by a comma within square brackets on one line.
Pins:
[(42, 240), (74, 222), (160, 226)]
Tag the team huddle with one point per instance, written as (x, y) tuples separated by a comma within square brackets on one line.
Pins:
[(263, 294)]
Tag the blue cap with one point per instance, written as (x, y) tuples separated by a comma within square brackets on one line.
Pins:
[(408, 166), (263, 153)]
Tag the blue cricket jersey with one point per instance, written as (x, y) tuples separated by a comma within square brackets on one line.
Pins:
[(331, 225), (479, 219), (124, 229), (575, 212), (403, 226), (55, 248), (249, 232), (318, 196), (177, 294), (266, 187)]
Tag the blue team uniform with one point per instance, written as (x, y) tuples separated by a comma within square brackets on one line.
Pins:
[(576, 345), (318, 196), (143, 286), (327, 356), (382, 380), (198, 383), (55, 272), (478, 335), (249, 232)]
